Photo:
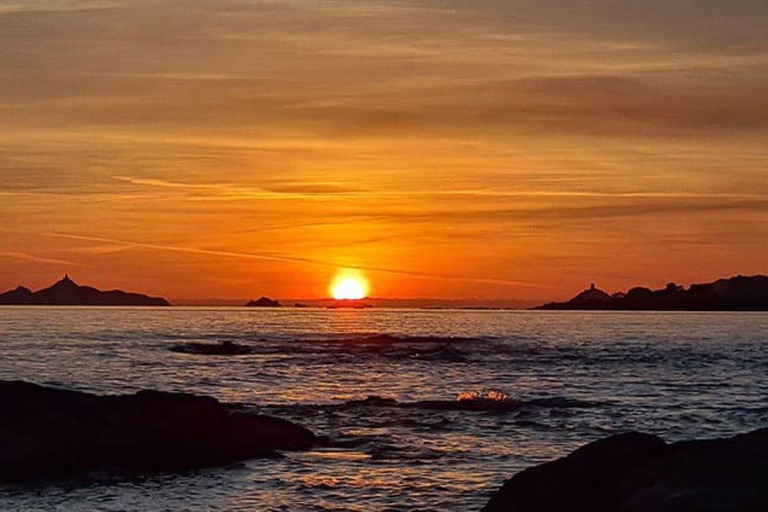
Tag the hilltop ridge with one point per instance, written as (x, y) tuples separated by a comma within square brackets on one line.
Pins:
[(66, 292), (739, 293)]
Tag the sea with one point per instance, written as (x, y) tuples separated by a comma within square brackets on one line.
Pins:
[(422, 409)]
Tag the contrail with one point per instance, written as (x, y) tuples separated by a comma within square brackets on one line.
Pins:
[(31, 257), (283, 258)]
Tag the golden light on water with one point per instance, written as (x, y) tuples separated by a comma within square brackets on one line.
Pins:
[(349, 286)]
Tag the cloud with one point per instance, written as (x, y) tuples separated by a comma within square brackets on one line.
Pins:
[(34, 259), (450, 135), (277, 190), (288, 258), (710, 26), (637, 207), (432, 71)]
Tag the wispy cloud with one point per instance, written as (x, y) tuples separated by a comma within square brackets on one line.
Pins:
[(466, 139), (310, 190), (34, 259), (235, 191), (287, 258)]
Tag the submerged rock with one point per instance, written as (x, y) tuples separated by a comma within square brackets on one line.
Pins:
[(52, 433), (226, 348), (641, 473)]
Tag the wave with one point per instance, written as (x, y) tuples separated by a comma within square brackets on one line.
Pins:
[(487, 400), (491, 405), (389, 339), (390, 451), (341, 348), (367, 341), (427, 348)]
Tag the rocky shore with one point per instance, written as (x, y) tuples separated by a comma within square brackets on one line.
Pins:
[(53, 433), (641, 473)]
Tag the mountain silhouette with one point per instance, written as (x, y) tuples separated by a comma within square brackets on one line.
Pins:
[(68, 293), (740, 293)]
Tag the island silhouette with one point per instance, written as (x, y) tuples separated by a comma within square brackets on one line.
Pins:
[(349, 304), (263, 302), (68, 293), (739, 293)]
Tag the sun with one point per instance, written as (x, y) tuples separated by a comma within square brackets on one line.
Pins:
[(347, 286)]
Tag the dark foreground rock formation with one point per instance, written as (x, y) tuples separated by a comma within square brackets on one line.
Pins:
[(68, 293), (52, 433), (641, 473), (263, 302), (740, 293), (226, 348)]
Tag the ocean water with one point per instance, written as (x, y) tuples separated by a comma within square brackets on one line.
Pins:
[(556, 379)]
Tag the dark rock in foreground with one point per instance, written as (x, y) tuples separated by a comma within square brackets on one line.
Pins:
[(226, 348), (641, 473), (52, 433), (68, 293), (740, 293), (263, 302)]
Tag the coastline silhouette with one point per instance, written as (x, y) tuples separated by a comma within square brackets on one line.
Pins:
[(739, 293), (66, 292)]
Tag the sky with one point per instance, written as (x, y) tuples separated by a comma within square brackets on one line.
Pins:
[(451, 149)]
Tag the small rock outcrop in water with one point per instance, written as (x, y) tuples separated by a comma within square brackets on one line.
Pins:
[(349, 304), (52, 433), (641, 473), (740, 293), (226, 348), (263, 302), (68, 293)]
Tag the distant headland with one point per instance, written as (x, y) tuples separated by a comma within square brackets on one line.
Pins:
[(68, 293), (740, 293)]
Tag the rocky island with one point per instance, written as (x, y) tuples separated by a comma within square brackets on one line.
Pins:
[(56, 433), (740, 293), (68, 293), (636, 472), (264, 302), (349, 304)]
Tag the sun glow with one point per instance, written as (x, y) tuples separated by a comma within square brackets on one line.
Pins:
[(349, 287)]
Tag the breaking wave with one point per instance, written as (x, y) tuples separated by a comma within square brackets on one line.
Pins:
[(486, 400)]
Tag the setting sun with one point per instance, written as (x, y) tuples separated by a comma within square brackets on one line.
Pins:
[(349, 287)]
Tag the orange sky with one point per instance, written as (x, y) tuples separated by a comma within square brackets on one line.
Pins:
[(449, 148)]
